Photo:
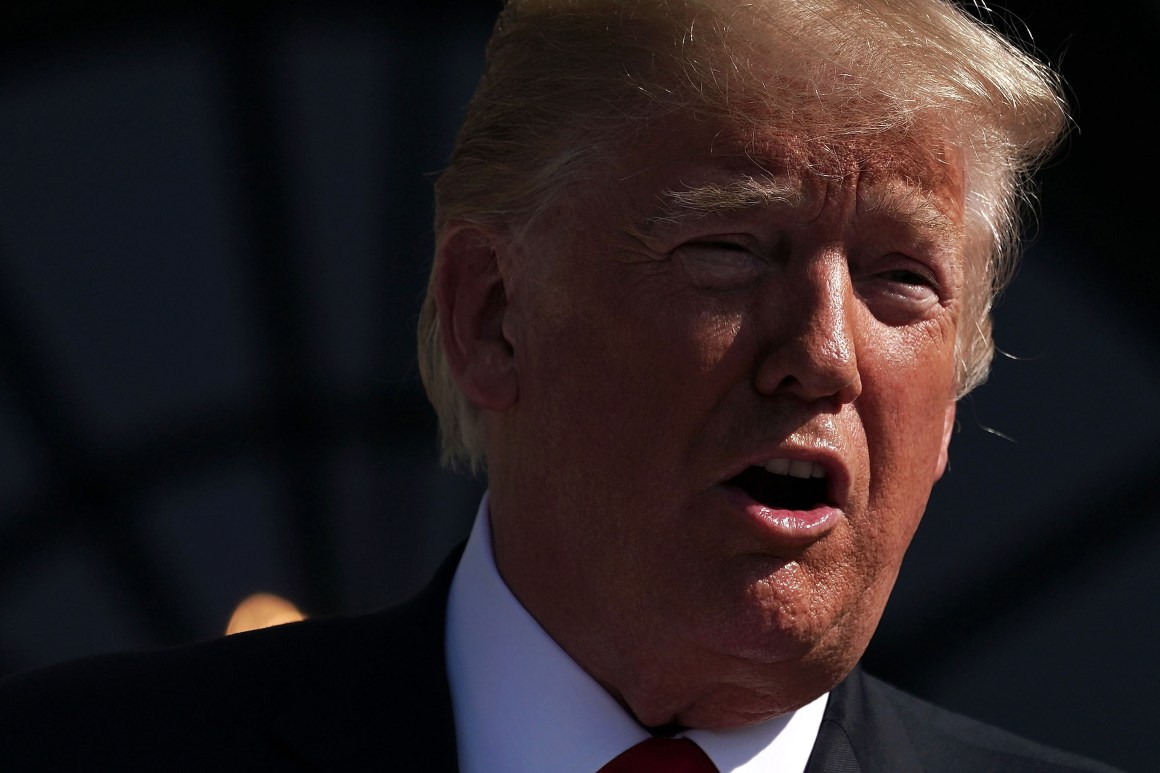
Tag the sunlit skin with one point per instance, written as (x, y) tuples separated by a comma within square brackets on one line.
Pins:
[(633, 351)]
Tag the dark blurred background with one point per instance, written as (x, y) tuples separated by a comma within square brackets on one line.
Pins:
[(214, 235)]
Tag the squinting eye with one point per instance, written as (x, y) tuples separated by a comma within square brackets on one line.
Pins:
[(719, 265), (906, 276), (901, 295)]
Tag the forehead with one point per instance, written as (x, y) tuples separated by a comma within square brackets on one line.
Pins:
[(912, 176)]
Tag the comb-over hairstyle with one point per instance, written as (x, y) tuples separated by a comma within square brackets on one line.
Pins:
[(567, 81)]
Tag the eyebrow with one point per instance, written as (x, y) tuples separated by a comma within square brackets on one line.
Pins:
[(695, 203), (911, 205)]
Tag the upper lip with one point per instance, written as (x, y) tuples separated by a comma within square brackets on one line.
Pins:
[(836, 472)]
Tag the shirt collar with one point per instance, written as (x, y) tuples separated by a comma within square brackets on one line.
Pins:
[(522, 704)]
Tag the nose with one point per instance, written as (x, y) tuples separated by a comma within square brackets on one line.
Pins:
[(810, 346)]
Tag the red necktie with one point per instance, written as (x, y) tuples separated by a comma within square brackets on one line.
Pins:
[(662, 755)]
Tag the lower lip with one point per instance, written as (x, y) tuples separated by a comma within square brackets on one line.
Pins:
[(786, 527)]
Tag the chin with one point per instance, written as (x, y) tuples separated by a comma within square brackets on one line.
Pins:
[(798, 657), (763, 694), (778, 617)]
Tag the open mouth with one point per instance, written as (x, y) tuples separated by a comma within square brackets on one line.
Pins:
[(783, 484)]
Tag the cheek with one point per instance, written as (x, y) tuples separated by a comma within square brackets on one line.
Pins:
[(910, 368), (646, 365), (903, 410), (668, 345)]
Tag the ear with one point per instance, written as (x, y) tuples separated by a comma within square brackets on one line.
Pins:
[(471, 299), (948, 429)]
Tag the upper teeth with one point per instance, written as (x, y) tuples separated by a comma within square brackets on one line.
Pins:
[(795, 467)]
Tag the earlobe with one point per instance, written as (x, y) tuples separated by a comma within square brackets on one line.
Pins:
[(472, 301), (944, 451)]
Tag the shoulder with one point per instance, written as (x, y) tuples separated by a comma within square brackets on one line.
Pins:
[(285, 696), (938, 739)]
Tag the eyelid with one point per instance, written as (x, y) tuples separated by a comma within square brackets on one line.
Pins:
[(731, 241), (720, 262), (929, 267), (927, 276), (723, 245)]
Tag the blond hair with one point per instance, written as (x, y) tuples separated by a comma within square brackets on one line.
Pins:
[(567, 80)]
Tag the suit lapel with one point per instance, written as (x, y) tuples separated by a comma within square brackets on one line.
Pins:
[(861, 733)]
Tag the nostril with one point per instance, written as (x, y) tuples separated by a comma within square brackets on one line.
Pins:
[(849, 391)]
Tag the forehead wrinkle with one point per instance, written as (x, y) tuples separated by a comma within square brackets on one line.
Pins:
[(695, 203)]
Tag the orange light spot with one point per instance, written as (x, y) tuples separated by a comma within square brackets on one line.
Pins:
[(262, 610)]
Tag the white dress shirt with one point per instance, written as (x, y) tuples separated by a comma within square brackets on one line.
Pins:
[(522, 704)]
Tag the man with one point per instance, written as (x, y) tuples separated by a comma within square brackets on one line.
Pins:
[(710, 277)]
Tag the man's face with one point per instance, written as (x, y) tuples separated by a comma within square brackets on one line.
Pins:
[(735, 365)]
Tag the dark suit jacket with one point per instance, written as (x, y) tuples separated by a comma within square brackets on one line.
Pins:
[(371, 693)]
